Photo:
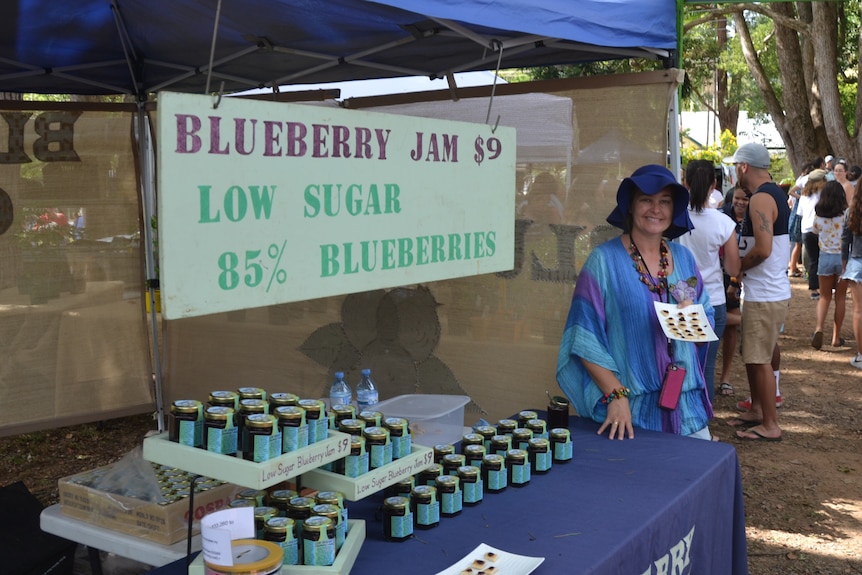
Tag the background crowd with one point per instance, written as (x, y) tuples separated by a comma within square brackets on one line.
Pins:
[(745, 247)]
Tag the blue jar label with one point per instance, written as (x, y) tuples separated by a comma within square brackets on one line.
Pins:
[(401, 446), (497, 479), (451, 503), (380, 455), (521, 474), (543, 461), (294, 438), (190, 433), (356, 465), (222, 441), (320, 552), (291, 552), (401, 526), (563, 451), (428, 513), (473, 492)]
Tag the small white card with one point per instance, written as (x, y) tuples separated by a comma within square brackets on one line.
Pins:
[(486, 560), (220, 528), (684, 324)]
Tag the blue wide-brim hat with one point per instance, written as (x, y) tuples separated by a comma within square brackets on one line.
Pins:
[(650, 180)]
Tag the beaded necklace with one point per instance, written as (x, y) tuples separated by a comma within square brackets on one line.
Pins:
[(654, 285)]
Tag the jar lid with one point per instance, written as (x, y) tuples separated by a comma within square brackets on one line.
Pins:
[(317, 523), (219, 412), (447, 480), (375, 432), (283, 398), (468, 470), (333, 497), (327, 510), (283, 495), (255, 405), (559, 401), (260, 420), (289, 412), (516, 454), (301, 502), (186, 405), (310, 404), (265, 511), (279, 524), (251, 392), (396, 502)]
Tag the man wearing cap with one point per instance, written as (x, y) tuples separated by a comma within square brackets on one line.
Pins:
[(828, 165), (765, 251)]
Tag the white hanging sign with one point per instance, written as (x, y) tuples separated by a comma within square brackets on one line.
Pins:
[(263, 203)]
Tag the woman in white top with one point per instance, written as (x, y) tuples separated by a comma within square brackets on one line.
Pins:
[(713, 242), (805, 209)]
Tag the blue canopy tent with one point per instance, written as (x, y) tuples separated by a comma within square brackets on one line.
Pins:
[(141, 47)]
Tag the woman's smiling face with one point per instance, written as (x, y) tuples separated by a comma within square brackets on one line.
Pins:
[(652, 214)]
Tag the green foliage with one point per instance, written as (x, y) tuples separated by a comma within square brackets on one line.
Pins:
[(591, 69), (714, 153)]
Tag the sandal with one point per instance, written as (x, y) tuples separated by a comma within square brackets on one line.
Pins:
[(725, 388)]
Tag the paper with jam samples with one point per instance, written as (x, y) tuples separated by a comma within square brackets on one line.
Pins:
[(486, 560), (684, 324)]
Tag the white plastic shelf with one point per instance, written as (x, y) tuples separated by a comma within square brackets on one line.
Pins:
[(354, 489), (159, 449)]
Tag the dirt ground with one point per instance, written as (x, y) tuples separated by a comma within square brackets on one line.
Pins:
[(803, 496)]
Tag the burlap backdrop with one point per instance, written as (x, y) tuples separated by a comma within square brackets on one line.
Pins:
[(73, 338), (493, 337)]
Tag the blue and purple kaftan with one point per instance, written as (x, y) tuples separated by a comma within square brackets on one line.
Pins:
[(612, 323)]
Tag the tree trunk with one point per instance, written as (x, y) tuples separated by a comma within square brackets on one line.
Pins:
[(728, 114)]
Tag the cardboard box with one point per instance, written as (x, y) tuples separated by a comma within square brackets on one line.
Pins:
[(163, 524)]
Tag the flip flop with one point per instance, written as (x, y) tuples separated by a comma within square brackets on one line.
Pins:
[(817, 340), (840, 343), (757, 436), (725, 388), (739, 423)]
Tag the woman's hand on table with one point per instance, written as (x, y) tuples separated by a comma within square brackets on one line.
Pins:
[(618, 423)]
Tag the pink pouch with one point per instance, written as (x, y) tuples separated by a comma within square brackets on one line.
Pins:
[(671, 386)]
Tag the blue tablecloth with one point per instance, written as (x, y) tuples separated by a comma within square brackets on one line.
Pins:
[(659, 504)]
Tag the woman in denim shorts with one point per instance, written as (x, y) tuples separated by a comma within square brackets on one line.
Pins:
[(830, 213), (851, 257)]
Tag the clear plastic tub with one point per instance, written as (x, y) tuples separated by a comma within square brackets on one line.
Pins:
[(434, 419)]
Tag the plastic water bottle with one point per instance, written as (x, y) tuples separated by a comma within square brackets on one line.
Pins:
[(366, 393), (340, 392)]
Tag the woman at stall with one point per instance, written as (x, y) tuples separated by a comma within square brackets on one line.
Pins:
[(615, 360)]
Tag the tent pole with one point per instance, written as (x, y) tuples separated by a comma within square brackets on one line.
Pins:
[(673, 129), (148, 186)]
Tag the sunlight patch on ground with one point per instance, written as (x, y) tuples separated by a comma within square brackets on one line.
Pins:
[(814, 544)]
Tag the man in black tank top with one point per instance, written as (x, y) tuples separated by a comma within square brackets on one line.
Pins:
[(765, 251)]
